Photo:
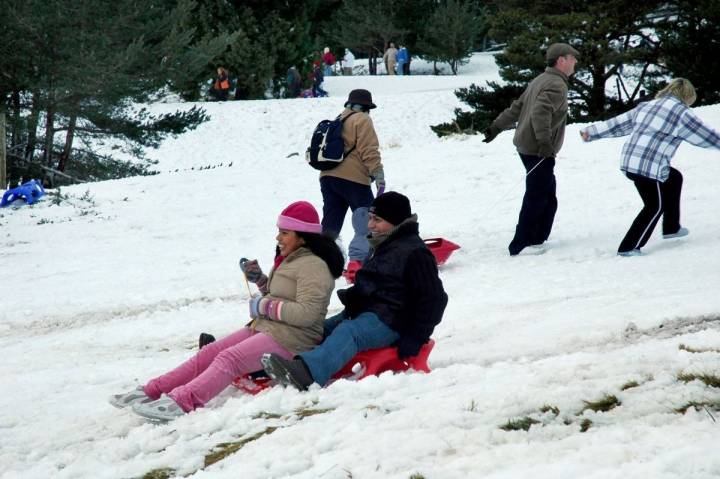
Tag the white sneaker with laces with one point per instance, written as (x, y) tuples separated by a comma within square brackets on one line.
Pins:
[(163, 410), (121, 401)]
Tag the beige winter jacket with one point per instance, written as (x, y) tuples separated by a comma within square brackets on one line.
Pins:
[(364, 160), (540, 113), (304, 285)]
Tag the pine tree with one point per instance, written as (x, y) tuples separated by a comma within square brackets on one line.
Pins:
[(690, 40), (83, 73), (367, 26), (450, 33)]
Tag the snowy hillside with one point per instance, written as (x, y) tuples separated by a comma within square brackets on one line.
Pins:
[(108, 284)]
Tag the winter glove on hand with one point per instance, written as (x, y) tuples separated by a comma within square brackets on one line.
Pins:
[(254, 305), (408, 348), (546, 150), (379, 178), (490, 133), (252, 271)]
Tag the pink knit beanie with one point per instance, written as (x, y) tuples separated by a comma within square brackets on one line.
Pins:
[(300, 216)]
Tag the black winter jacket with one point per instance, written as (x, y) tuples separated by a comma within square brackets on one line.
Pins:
[(400, 284)]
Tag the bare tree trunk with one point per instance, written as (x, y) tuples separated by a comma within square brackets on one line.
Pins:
[(3, 163), (32, 125), (65, 155), (49, 134), (17, 133)]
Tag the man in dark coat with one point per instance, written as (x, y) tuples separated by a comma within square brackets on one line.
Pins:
[(397, 298), (539, 116)]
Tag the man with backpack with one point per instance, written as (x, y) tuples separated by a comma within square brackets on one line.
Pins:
[(348, 183)]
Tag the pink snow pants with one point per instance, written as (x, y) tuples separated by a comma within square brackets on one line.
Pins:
[(212, 369)]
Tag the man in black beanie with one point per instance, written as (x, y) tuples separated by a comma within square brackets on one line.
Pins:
[(397, 298)]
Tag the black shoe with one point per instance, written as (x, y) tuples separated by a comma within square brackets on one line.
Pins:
[(290, 373), (205, 339)]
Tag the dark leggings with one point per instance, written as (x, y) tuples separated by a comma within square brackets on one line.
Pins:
[(659, 198)]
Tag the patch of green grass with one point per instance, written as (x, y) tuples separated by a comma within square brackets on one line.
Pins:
[(690, 349), (629, 385), (707, 378), (163, 473), (585, 424), (226, 448), (550, 408), (603, 404), (518, 424)]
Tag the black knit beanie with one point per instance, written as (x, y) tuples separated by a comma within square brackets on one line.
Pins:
[(392, 207)]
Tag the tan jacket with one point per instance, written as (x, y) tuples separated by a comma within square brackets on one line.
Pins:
[(304, 284), (540, 113), (364, 160)]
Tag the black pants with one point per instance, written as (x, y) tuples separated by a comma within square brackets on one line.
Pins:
[(659, 198), (539, 203), (338, 195)]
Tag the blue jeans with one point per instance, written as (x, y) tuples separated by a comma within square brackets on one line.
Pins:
[(400, 68), (344, 338)]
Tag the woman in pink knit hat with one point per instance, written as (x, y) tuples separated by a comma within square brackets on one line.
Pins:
[(287, 319)]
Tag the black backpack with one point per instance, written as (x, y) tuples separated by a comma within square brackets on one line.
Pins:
[(327, 149)]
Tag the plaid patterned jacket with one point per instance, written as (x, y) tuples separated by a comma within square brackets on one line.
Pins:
[(656, 127)]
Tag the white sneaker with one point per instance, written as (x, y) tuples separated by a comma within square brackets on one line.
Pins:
[(163, 410), (678, 234), (137, 395)]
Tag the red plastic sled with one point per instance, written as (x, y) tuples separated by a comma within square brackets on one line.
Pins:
[(367, 363), (441, 249)]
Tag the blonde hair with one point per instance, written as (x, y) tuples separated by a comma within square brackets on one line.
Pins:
[(680, 88)]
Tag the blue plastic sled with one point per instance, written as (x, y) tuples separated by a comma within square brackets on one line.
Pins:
[(30, 192)]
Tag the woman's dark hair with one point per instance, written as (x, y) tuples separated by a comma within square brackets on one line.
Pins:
[(324, 246)]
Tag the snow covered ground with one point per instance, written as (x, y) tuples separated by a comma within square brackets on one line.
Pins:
[(108, 284)]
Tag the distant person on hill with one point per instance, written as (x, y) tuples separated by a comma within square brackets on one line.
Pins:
[(348, 62), (329, 60), (287, 319), (397, 299), (348, 184), (317, 80), (221, 85), (656, 129), (390, 59), (539, 117), (402, 59), (294, 82)]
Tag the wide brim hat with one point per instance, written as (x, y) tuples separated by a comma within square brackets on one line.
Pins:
[(361, 97)]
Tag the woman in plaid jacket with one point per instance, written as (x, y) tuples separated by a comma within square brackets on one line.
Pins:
[(656, 129)]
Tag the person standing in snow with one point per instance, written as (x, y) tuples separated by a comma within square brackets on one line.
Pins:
[(287, 319), (294, 82), (348, 62), (656, 129), (221, 85), (348, 184), (317, 78), (402, 59), (540, 115), (398, 298), (329, 60), (390, 59)]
